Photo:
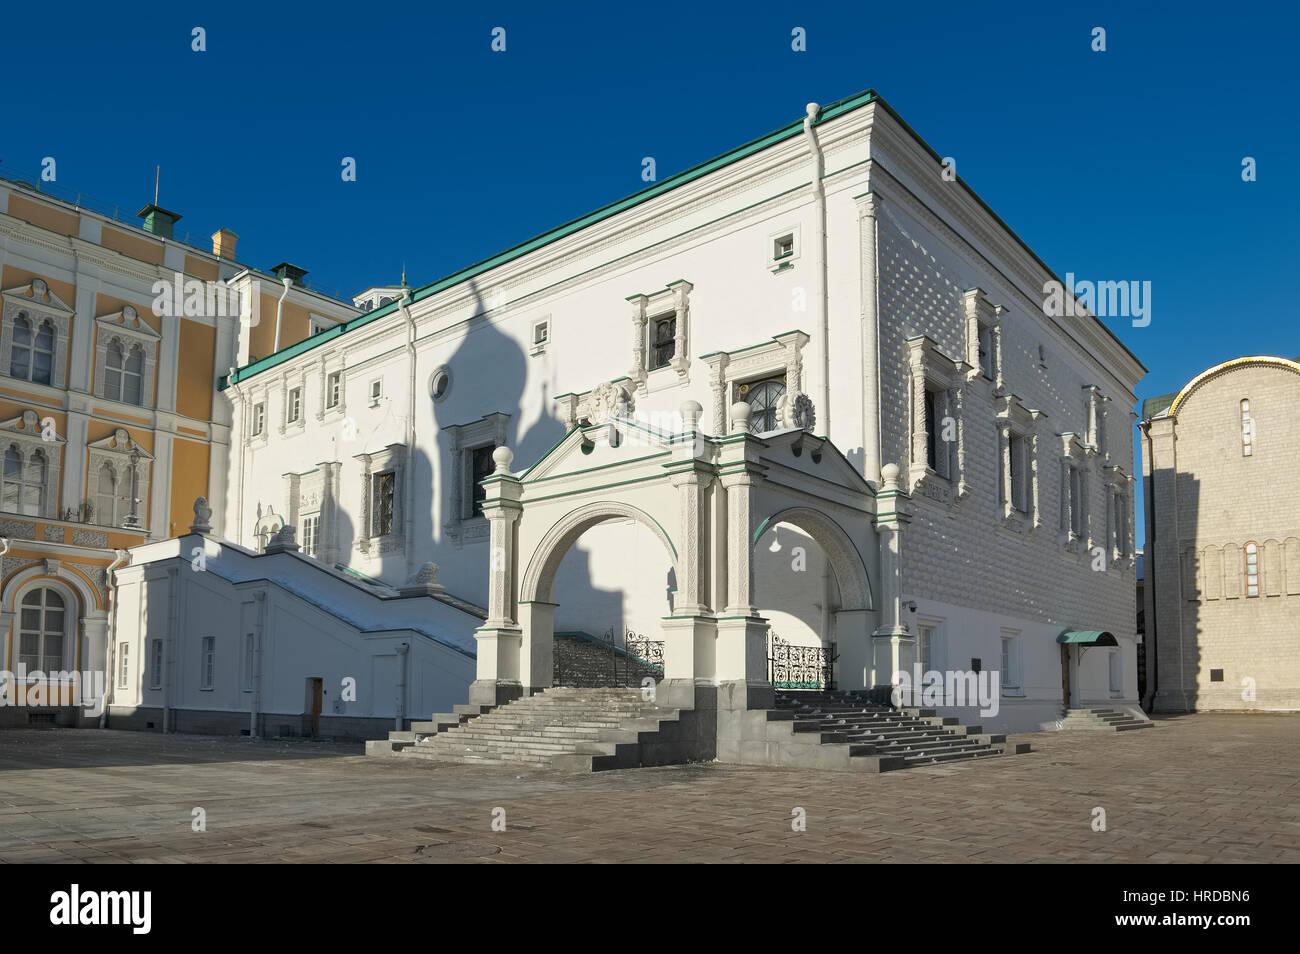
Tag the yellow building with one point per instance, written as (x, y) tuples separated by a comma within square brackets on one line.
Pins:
[(112, 336)]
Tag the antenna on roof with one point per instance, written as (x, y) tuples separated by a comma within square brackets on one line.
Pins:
[(403, 274), (157, 175)]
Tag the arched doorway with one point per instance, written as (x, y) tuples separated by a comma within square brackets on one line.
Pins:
[(596, 651), (812, 585)]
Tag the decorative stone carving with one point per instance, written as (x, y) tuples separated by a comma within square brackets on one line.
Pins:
[(605, 402), (284, 540), (202, 516), (424, 582), (804, 416)]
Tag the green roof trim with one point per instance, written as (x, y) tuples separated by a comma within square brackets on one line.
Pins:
[(1087, 638), (828, 112)]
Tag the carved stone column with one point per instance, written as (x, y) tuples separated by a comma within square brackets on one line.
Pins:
[(868, 207), (500, 639), (892, 643)]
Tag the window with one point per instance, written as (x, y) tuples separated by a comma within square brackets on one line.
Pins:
[(41, 629), (938, 450), (541, 333), (310, 534), (123, 665), (1116, 673), (1252, 569), (124, 373), (663, 341), (381, 507), (208, 661), (293, 409), (1119, 522), (1247, 430), (481, 467), (106, 501), (332, 384), (320, 324), (1077, 521), (986, 351), (376, 390), (258, 424), (155, 664), (23, 482), (925, 648), (1019, 450), (783, 247), (386, 300), (440, 384), (764, 398), (31, 357), (1010, 664)]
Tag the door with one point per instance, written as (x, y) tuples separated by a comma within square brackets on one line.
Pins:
[(315, 688), (1065, 674)]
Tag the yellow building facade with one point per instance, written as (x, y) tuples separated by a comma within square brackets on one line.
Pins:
[(112, 338)]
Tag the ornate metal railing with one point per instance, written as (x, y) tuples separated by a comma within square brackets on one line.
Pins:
[(800, 667)]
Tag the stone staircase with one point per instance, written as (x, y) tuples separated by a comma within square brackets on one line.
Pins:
[(1103, 720), (852, 732), (567, 729)]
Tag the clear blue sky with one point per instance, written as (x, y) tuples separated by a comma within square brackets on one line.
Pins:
[(1117, 165)]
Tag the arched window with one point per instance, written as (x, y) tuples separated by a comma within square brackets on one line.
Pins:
[(1247, 430), (42, 631), (764, 397), (1252, 569), (124, 373), (32, 355)]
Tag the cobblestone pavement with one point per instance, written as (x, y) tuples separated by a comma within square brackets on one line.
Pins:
[(1217, 787)]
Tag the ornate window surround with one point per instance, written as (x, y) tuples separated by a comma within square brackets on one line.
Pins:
[(931, 369), (461, 525), (673, 299), (40, 304), (116, 450), (315, 492), (783, 354), (288, 381), (1119, 494), (983, 317), (25, 432), (1013, 419), (127, 328), (1095, 424), (392, 457), (331, 364), (1074, 457)]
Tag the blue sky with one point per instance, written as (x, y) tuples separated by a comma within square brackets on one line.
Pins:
[(1117, 165)]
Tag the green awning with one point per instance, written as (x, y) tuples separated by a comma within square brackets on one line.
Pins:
[(1088, 638)]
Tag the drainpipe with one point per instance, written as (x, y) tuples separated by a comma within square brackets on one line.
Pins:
[(819, 205), (238, 440), (408, 478), (109, 682), (4, 548), (403, 656), (279, 308)]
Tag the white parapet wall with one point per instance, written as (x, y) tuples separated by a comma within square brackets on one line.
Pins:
[(206, 633)]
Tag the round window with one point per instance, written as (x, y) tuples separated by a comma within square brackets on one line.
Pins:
[(440, 383)]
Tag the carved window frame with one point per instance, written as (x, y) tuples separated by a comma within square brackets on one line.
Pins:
[(115, 450), (40, 304), (674, 301), (1014, 420), (25, 433), (391, 458), (783, 354), (128, 329), (462, 525), (983, 318), (931, 370), (1074, 457)]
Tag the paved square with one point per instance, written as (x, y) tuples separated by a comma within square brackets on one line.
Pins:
[(1202, 788)]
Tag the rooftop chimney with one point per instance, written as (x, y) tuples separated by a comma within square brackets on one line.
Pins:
[(223, 243), (291, 272), (158, 220)]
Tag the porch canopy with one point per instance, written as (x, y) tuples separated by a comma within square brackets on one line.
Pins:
[(1087, 638)]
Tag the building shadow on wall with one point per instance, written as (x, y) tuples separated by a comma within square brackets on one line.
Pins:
[(1176, 580)]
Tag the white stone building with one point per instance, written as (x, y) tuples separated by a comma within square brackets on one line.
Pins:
[(828, 275)]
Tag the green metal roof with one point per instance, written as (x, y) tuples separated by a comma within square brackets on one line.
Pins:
[(1089, 637), (1157, 405), (831, 111)]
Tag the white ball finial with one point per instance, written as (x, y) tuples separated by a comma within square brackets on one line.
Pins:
[(889, 476), (502, 457), (690, 412)]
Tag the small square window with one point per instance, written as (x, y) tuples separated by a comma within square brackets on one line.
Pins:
[(783, 247), (333, 385), (541, 333), (294, 408), (1216, 675), (376, 390)]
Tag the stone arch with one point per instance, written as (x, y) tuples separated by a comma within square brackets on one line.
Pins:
[(842, 554), (538, 580)]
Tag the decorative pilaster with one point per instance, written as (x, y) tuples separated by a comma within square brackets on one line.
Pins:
[(638, 372), (501, 650), (868, 207), (892, 642)]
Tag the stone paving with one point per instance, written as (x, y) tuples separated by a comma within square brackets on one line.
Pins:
[(1203, 788)]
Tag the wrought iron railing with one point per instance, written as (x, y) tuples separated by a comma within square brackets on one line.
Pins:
[(800, 667)]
